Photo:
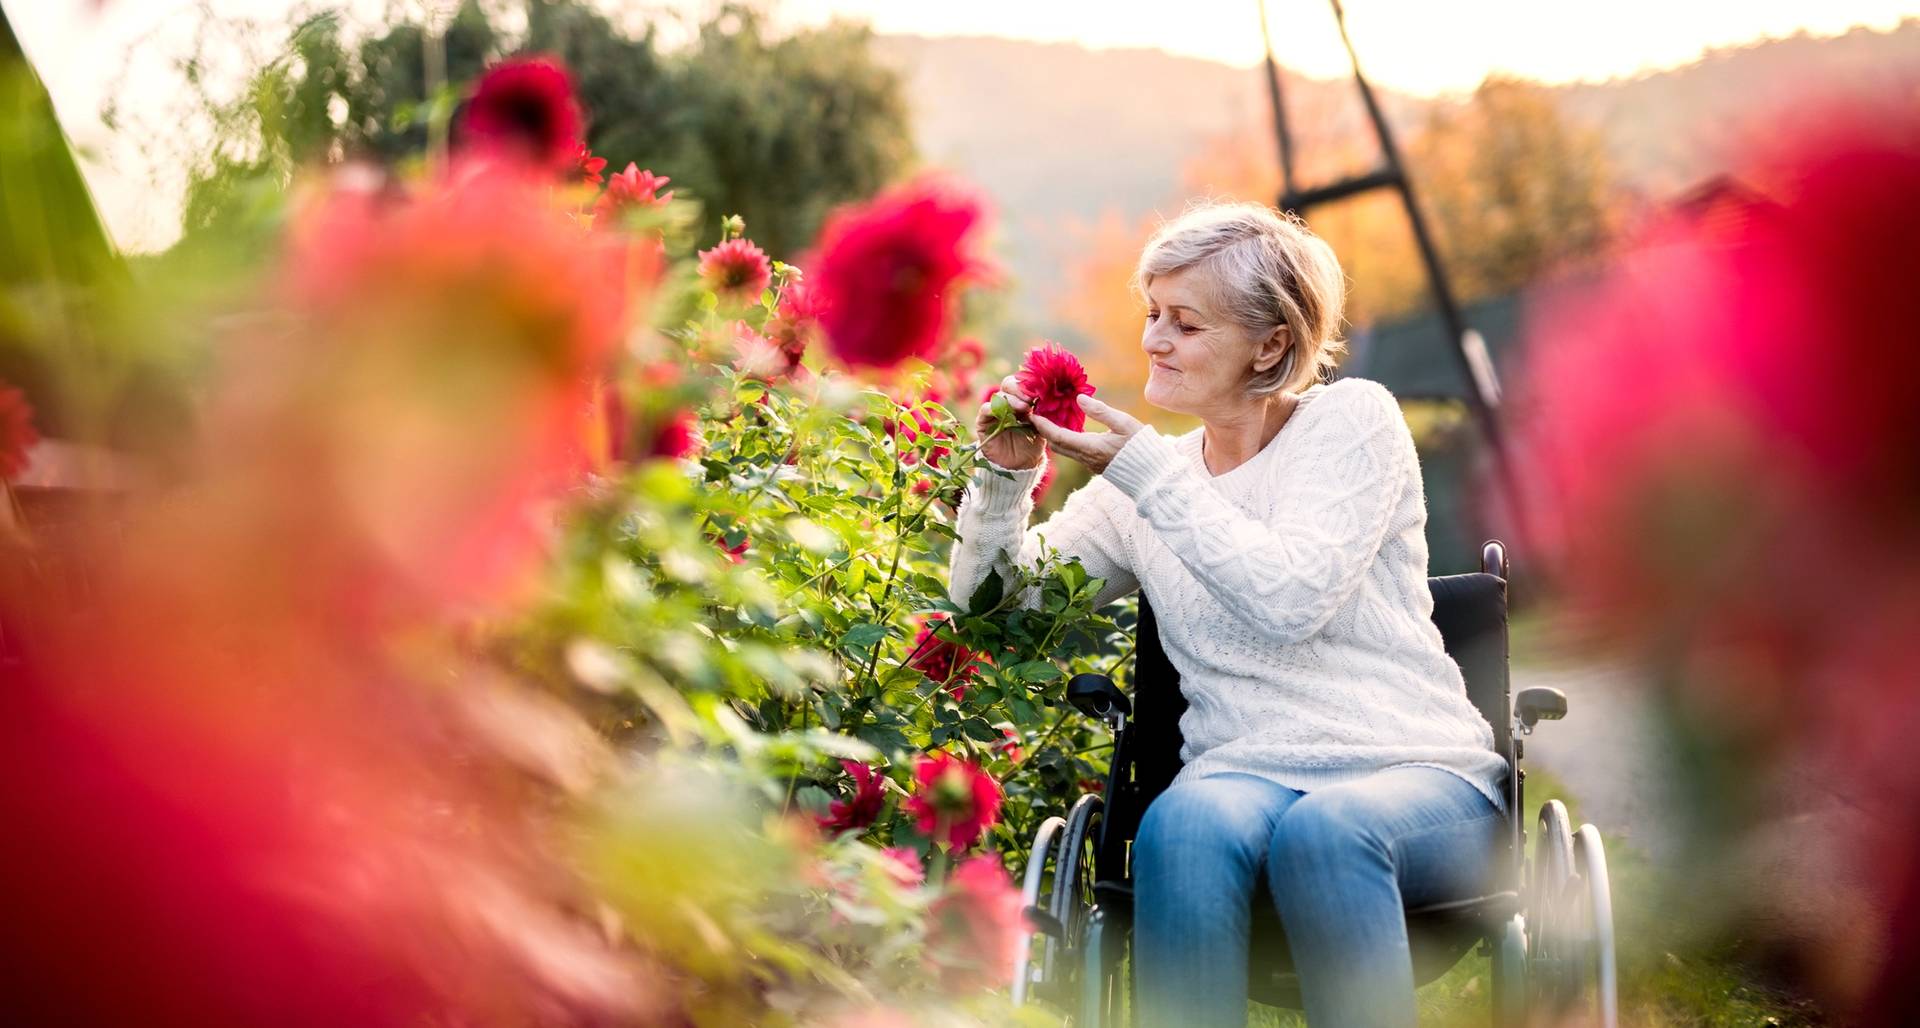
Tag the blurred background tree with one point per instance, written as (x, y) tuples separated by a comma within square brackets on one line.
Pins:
[(1516, 191), (778, 129)]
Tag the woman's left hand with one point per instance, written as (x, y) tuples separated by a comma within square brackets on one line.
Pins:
[(1096, 451)]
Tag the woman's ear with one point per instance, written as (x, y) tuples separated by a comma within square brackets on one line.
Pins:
[(1271, 349)]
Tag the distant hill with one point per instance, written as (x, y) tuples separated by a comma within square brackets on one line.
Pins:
[(1670, 130), (1059, 134)]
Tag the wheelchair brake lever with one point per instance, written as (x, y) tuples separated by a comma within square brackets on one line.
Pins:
[(1045, 923)]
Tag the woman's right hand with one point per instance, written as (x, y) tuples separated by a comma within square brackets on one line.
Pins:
[(1017, 448)]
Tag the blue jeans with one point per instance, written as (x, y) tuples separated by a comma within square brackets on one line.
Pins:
[(1343, 863)]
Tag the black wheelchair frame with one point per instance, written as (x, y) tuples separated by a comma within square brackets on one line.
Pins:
[(1550, 935)]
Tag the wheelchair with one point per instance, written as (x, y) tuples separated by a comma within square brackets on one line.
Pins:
[(1549, 935)]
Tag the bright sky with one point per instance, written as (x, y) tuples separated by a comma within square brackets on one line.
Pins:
[(91, 51)]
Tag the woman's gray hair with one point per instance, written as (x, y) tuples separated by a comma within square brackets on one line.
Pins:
[(1268, 270)]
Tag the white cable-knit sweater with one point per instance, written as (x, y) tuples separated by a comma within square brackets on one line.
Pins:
[(1291, 591)]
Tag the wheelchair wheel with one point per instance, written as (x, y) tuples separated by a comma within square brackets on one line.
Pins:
[(1034, 898), (1073, 874), (1059, 902), (1551, 911), (1599, 964), (1571, 958)]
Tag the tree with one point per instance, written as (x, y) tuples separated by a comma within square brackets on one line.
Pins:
[(777, 130), (1514, 189)]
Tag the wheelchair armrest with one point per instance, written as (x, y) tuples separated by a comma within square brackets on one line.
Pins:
[(1537, 703), (1096, 696)]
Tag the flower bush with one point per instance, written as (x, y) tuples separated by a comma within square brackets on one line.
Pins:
[(548, 559)]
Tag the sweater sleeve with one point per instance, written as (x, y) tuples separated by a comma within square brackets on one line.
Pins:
[(1286, 575), (992, 524)]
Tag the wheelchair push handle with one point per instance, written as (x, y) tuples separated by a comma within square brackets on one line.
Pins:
[(1097, 697)]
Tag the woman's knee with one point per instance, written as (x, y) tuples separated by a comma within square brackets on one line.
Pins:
[(1326, 830), (1211, 817)]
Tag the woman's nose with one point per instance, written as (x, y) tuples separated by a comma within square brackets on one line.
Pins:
[(1155, 341)]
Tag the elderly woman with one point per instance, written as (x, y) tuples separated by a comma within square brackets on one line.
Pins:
[(1329, 740)]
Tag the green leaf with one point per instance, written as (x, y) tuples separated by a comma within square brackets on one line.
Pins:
[(1035, 671), (863, 635), (978, 730), (988, 595)]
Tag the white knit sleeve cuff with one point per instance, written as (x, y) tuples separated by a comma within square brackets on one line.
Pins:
[(1142, 464), (998, 490)]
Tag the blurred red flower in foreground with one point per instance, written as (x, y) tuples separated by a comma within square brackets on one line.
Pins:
[(587, 167), (940, 659), (860, 810), (905, 865), (443, 373), (525, 109), (1722, 435), (1055, 380), (737, 270), (887, 271), (632, 188), (955, 802), (268, 788), (17, 435), (974, 936), (676, 437)]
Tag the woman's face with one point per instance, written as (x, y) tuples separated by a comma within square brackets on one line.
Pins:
[(1198, 362)]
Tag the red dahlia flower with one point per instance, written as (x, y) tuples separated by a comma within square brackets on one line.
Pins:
[(675, 437), (526, 110), (736, 553), (1056, 381), (632, 188), (587, 168), (954, 802), (17, 435), (795, 320), (976, 925), (943, 660), (863, 808), (887, 270), (737, 270)]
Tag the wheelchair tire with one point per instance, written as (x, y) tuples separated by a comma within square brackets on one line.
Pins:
[(1596, 891), (1510, 973), (1553, 913), (1073, 870), (1063, 846), (1033, 895)]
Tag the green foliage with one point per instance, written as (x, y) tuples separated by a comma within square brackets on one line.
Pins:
[(802, 652), (778, 130), (781, 130)]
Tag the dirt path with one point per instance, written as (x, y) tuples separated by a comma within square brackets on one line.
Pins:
[(1608, 752)]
